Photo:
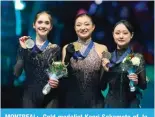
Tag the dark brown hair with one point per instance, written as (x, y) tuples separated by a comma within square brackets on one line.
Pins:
[(127, 25), (44, 12)]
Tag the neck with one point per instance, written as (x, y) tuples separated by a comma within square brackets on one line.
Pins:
[(84, 41), (121, 47), (40, 40)]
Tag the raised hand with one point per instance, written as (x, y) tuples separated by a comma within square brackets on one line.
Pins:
[(22, 41), (105, 62)]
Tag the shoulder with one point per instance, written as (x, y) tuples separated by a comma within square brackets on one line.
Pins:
[(65, 46), (64, 52), (51, 45), (100, 47), (69, 45)]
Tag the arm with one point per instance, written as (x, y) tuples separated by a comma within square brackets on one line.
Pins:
[(142, 83), (20, 55), (18, 68), (104, 74), (20, 62), (100, 49), (64, 53), (139, 78), (103, 83), (67, 53)]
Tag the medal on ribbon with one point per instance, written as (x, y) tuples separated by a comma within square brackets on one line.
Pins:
[(29, 43)]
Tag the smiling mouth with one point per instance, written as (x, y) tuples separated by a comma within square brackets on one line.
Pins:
[(42, 30), (84, 32), (121, 40)]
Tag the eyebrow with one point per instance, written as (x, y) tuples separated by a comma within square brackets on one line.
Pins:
[(121, 30), (43, 21), (84, 22)]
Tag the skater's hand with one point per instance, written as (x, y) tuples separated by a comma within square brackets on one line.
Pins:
[(22, 41), (133, 77), (53, 83)]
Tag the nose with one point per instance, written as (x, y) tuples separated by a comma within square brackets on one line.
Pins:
[(82, 27), (43, 25), (121, 35)]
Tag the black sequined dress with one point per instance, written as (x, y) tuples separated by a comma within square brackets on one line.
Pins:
[(119, 95), (35, 65)]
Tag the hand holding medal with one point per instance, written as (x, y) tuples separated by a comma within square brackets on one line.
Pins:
[(106, 60), (26, 42)]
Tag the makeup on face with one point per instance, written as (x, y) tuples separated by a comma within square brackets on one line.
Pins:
[(121, 35), (84, 27)]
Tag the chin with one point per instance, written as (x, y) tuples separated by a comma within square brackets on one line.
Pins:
[(121, 44), (84, 37), (43, 35)]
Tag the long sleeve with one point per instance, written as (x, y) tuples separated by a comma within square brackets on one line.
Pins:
[(142, 83), (20, 62)]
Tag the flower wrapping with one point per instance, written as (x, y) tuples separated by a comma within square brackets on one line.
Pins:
[(131, 64), (56, 71)]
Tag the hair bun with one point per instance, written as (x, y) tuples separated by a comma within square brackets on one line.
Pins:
[(81, 12)]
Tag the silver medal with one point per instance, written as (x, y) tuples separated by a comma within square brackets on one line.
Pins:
[(29, 43)]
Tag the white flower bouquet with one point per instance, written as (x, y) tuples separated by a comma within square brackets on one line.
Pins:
[(131, 64), (56, 71)]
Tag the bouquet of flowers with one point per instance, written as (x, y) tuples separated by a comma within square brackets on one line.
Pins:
[(131, 64), (56, 71)]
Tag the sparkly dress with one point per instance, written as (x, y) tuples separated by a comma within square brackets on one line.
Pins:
[(83, 82), (119, 95), (36, 76)]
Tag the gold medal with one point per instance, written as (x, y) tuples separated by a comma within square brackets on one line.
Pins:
[(77, 46)]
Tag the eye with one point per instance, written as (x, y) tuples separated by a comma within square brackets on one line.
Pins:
[(47, 22), (39, 22), (125, 33), (117, 33), (87, 24), (78, 25)]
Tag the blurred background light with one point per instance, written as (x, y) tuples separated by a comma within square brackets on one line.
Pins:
[(92, 8), (19, 5), (98, 2)]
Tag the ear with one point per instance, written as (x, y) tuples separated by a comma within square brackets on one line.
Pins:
[(132, 35), (51, 27), (93, 27), (74, 28), (113, 34), (34, 26)]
